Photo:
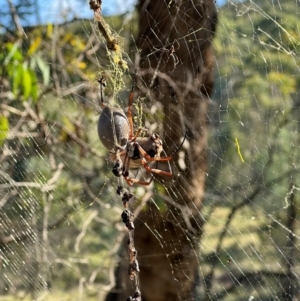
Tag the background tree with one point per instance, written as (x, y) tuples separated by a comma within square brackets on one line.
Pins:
[(178, 79)]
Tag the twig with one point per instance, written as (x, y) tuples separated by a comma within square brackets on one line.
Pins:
[(8, 195), (56, 175), (17, 237), (289, 284), (16, 19), (84, 229), (76, 139)]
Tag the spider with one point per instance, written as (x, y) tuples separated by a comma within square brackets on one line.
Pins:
[(128, 149), (170, 53)]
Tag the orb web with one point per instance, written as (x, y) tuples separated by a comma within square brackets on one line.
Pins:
[(61, 228)]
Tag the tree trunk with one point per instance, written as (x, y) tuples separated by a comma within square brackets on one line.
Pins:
[(167, 243)]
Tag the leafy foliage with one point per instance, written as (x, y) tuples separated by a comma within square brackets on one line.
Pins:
[(257, 87), (56, 210)]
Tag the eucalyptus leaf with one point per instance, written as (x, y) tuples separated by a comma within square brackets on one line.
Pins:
[(44, 67), (4, 128), (34, 85), (26, 82), (16, 74)]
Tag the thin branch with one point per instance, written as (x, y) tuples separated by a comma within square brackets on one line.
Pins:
[(8, 195), (84, 229), (17, 237), (76, 139), (289, 284), (16, 19)]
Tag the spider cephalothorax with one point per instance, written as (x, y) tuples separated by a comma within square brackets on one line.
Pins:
[(139, 151), (152, 145), (128, 149)]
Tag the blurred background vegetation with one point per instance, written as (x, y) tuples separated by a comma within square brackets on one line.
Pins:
[(59, 214)]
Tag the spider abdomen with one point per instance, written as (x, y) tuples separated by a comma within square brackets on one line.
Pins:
[(113, 128)]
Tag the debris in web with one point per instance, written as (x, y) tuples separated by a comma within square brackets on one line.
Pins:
[(112, 42), (128, 219)]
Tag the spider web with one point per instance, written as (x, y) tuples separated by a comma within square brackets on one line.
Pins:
[(61, 230)]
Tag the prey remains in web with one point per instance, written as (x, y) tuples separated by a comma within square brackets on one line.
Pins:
[(127, 148)]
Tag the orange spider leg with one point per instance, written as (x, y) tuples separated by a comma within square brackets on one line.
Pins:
[(130, 102), (122, 152), (153, 170), (126, 164), (144, 158), (131, 181), (148, 158), (136, 134), (117, 155), (129, 113)]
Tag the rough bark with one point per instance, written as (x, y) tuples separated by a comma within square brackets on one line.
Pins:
[(168, 245)]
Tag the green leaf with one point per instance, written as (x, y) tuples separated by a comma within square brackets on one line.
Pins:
[(16, 74), (44, 69), (286, 83), (14, 53), (4, 128), (27, 82), (34, 86)]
